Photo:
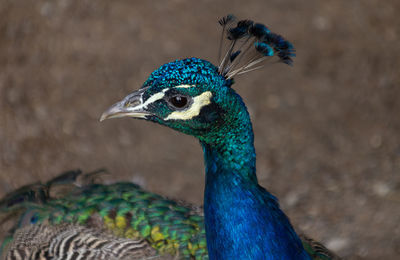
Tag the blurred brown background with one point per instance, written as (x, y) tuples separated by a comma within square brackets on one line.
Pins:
[(326, 131)]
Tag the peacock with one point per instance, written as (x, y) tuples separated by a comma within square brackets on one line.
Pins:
[(75, 217)]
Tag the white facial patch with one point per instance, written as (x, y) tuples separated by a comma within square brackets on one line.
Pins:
[(152, 99), (185, 86), (194, 110)]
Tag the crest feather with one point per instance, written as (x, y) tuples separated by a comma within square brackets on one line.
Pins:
[(250, 44)]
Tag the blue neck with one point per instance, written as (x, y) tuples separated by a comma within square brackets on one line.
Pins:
[(242, 219)]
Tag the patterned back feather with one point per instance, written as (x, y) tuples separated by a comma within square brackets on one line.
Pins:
[(68, 241)]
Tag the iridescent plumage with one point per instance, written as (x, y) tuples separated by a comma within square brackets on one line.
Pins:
[(122, 210)]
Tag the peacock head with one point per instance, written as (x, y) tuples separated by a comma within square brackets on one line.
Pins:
[(195, 97), (187, 95)]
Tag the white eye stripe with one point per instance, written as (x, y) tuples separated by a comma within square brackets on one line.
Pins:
[(185, 86), (199, 102), (152, 99)]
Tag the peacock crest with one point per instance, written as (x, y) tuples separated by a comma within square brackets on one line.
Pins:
[(250, 46)]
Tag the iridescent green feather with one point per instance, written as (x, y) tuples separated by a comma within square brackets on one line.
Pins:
[(124, 209)]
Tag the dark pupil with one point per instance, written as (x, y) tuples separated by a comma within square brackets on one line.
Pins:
[(179, 101)]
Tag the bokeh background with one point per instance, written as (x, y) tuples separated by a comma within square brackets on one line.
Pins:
[(327, 131)]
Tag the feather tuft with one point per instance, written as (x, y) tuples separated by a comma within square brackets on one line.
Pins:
[(283, 47), (259, 30), (240, 31), (234, 55), (250, 45), (264, 48), (226, 20)]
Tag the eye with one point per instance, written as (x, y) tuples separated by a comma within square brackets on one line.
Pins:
[(178, 101)]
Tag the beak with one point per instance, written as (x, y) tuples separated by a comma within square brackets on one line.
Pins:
[(131, 106)]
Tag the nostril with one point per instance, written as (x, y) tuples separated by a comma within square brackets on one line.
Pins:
[(132, 103)]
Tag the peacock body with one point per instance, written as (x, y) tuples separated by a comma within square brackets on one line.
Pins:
[(241, 219), (115, 211)]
